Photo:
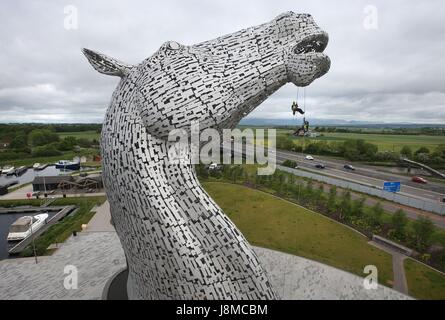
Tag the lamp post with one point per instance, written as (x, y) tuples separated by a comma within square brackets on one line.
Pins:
[(33, 242)]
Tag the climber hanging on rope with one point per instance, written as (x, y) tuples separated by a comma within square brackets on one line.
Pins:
[(296, 108), (301, 131)]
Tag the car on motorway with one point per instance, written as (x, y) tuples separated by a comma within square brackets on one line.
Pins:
[(308, 157), (320, 166), (348, 167), (419, 179)]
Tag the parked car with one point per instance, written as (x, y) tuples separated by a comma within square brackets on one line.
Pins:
[(308, 157), (320, 166), (348, 167), (419, 180)]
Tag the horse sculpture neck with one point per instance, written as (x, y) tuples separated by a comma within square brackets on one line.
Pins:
[(184, 246)]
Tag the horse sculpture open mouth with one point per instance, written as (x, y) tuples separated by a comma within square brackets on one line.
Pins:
[(312, 43)]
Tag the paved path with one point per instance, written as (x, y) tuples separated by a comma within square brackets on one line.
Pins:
[(96, 256), (398, 267), (101, 220)]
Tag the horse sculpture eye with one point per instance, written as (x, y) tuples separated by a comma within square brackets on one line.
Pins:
[(172, 45)]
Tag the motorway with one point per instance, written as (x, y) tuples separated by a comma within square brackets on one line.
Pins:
[(363, 174), (366, 175)]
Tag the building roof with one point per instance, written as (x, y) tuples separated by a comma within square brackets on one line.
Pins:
[(22, 221), (51, 179), (96, 177)]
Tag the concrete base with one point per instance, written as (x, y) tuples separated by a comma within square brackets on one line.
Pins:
[(294, 278)]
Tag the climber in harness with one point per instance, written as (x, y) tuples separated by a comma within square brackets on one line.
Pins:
[(303, 129), (296, 108)]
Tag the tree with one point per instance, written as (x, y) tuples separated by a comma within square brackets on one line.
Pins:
[(345, 205), (422, 150), (423, 231), (441, 150), (407, 152), (84, 143), (332, 199), (357, 206), (289, 163), (398, 222), (67, 143), (358, 150), (40, 137), (19, 141), (309, 191), (319, 195), (376, 215), (46, 151)]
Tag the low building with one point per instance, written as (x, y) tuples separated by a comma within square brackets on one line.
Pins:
[(61, 183), (49, 183)]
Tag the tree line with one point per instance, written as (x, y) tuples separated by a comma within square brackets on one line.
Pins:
[(40, 142), (360, 150)]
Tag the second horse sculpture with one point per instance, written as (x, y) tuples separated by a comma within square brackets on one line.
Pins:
[(177, 241)]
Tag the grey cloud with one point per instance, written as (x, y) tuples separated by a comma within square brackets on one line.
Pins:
[(394, 73)]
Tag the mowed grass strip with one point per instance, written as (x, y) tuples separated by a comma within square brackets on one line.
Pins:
[(424, 282), (270, 222), (90, 135)]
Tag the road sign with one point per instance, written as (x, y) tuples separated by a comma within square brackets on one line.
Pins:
[(391, 186)]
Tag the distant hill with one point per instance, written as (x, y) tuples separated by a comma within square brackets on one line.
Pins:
[(334, 122)]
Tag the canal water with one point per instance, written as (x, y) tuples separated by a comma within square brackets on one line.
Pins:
[(30, 174), (6, 219)]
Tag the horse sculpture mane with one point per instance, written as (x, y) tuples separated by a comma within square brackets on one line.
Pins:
[(177, 241)]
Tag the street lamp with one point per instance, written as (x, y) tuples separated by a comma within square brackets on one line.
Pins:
[(33, 242)]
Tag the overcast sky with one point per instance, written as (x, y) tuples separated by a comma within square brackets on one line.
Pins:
[(395, 73)]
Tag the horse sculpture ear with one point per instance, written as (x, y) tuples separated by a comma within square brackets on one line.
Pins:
[(105, 64)]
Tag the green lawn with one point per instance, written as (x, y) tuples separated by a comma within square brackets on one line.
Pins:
[(90, 135), (424, 282), (269, 222)]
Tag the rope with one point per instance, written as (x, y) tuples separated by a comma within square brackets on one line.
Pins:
[(304, 100)]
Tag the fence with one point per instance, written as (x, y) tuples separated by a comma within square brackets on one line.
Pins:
[(426, 205)]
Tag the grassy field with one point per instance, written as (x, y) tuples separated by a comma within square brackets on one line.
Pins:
[(269, 222), (423, 282), (90, 135), (30, 161), (385, 142)]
